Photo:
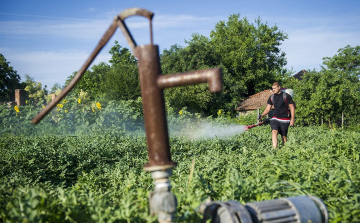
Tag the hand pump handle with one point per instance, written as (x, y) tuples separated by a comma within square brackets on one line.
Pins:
[(131, 12)]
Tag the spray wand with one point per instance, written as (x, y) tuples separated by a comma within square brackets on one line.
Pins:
[(257, 124)]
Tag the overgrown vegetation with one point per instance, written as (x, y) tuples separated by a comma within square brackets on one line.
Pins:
[(96, 175)]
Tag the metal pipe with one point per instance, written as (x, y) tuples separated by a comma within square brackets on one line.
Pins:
[(154, 109), (162, 202), (131, 12), (211, 76)]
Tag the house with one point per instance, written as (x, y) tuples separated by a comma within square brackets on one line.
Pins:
[(259, 100)]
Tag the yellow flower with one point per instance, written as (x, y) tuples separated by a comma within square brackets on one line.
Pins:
[(43, 106), (60, 105), (79, 101), (93, 109), (66, 111), (180, 112), (98, 105), (16, 108), (219, 112), (64, 101), (26, 102)]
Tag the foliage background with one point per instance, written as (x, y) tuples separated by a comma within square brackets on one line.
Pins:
[(331, 91)]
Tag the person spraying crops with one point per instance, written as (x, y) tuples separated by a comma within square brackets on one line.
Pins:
[(283, 116)]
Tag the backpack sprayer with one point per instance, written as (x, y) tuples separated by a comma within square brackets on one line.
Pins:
[(162, 202)]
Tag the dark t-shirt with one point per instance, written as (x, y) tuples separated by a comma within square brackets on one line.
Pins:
[(280, 106)]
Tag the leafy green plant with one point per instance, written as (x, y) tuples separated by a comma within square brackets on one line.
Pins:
[(71, 172)]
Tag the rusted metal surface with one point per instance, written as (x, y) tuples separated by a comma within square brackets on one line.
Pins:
[(142, 12), (154, 107), (131, 12), (127, 35), (211, 76), (136, 11)]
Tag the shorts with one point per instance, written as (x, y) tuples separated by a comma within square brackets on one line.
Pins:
[(281, 127)]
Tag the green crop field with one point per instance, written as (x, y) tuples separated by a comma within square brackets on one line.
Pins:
[(61, 174)]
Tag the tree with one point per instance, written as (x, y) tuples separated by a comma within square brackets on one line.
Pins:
[(91, 81), (122, 81), (9, 80), (248, 54), (197, 55), (120, 55), (34, 89), (55, 88), (118, 80), (327, 93), (347, 59)]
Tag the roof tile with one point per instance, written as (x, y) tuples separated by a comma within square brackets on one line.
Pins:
[(255, 101)]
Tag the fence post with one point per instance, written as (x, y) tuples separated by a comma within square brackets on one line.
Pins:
[(257, 114), (19, 97)]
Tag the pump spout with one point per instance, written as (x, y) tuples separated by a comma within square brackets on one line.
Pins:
[(211, 76)]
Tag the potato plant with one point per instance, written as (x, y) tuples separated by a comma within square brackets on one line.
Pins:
[(74, 172)]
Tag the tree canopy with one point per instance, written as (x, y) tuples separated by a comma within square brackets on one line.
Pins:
[(248, 53), (118, 80), (34, 89), (327, 93), (9, 80), (347, 59), (91, 81), (122, 80)]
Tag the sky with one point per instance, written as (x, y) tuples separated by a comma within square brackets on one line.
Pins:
[(49, 40)]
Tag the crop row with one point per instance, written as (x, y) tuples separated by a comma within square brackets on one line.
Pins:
[(99, 178)]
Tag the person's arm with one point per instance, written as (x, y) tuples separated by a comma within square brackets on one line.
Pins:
[(292, 111), (266, 111)]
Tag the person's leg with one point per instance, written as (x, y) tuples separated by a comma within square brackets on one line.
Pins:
[(284, 127), (274, 138), (275, 127)]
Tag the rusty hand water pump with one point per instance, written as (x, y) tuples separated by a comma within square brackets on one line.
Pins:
[(162, 202)]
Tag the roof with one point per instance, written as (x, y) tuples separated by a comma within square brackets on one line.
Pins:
[(299, 74), (255, 101)]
